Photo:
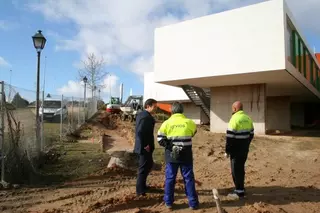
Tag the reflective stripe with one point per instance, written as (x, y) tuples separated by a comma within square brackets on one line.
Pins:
[(238, 136), (160, 133), (180, 138), (240, 131), (182, 143), (161, 136)]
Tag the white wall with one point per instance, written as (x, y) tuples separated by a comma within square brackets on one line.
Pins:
[(243, 40), (192, 112), (161, 92)]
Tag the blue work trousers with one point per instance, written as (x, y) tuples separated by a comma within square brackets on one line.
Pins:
[(189, 183)]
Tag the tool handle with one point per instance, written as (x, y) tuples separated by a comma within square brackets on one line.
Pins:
[(217, 200)]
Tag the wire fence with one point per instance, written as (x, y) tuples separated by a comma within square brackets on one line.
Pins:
[(59, 116)]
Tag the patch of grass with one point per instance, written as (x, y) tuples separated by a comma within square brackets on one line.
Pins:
[(76, 160)]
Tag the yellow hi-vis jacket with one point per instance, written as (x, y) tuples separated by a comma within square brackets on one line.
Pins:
[(239, 133), (177, 131)]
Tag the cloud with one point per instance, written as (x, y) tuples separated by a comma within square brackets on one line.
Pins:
[(122, 30), (76, 89), (142, 65), (4, 63), (7, 25)]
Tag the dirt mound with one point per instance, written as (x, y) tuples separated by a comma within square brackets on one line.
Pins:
[(261, 208), (110, 121), (100, 122), (115, 204), (106, 121), (116, 171), (126, 130)]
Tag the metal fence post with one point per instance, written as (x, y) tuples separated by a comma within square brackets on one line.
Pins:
[(61, 116), (2, 108), (42, 125), (84, 109), (72, 119), (79, 107)]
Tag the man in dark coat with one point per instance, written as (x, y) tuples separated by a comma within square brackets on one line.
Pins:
[(144, 144)]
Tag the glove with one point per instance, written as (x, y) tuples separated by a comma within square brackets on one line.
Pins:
[(226, 155), (175, 153)]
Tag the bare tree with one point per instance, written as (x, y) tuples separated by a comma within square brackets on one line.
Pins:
[(94, 69)]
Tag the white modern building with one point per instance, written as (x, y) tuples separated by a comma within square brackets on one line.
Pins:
[(255, 54)]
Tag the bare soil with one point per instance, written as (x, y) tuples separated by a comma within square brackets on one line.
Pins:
[(282, 175)]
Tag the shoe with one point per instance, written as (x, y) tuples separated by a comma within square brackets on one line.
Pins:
[(194, 208), (168, 206), (236, 195), (141, 195)]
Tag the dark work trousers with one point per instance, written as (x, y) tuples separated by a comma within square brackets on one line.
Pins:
[(237, 168), (145, 166)]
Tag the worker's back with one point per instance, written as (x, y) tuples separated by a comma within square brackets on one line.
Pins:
[(179, 130), (241, 129)]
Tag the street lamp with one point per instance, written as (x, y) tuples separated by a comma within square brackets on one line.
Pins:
[(39, 41), (99, 94), (94, 92), (85, 80)]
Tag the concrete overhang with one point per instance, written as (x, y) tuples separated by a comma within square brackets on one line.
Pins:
[(278, 83)]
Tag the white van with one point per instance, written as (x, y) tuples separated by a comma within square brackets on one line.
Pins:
[(52, 110)]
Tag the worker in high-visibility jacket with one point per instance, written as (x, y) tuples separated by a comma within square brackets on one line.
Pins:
[(239, 135), (175, 134)]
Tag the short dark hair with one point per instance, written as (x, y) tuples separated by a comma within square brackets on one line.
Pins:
[(149, 102), (176, 107)]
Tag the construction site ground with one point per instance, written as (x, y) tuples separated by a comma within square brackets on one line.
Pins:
[(282, 175)]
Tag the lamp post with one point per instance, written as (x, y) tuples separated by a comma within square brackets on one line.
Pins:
[(39, 41), (99, 91), (85, 80), (94, 93)]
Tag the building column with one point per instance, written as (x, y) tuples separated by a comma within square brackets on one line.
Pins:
[(297, 115), (278, 114), (253, 98)]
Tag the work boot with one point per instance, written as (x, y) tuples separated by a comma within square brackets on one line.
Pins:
[(168, 206), (236, 194), (194, 207), (141, 195)]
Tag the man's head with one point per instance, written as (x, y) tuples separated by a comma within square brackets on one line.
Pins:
[(236, 106), (150, 105), (176, 107)]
